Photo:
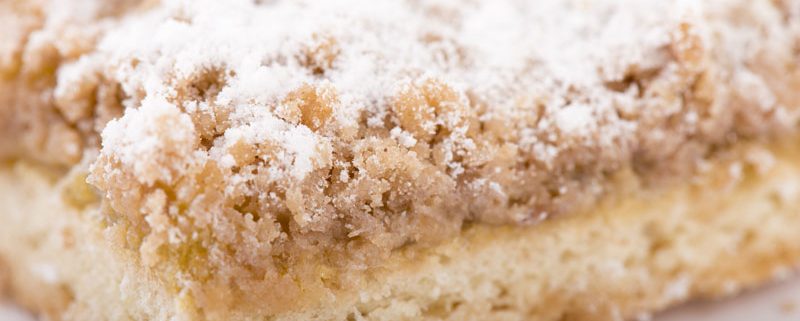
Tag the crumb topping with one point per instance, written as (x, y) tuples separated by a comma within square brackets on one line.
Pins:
[(232, 141)]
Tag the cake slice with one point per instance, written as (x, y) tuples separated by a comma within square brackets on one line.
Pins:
[(416, 160)]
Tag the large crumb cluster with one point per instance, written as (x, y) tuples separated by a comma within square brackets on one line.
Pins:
[(234, 142)]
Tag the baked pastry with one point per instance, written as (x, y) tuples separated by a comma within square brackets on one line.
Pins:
[(362, 160)]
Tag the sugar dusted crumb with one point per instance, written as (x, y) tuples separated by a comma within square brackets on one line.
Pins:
[(574, 119), (247, 136), (154, 142), (403, 137)]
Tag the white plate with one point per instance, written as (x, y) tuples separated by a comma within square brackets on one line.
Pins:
[(778, 302)]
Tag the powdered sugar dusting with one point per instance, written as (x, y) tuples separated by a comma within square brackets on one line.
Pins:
[(154, 141), (574, 119)]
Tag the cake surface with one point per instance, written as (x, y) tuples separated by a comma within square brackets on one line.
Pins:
[(255, 159)]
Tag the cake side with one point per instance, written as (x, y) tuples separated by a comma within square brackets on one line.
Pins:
[(58, 260), (731, 228), (625, 259)]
